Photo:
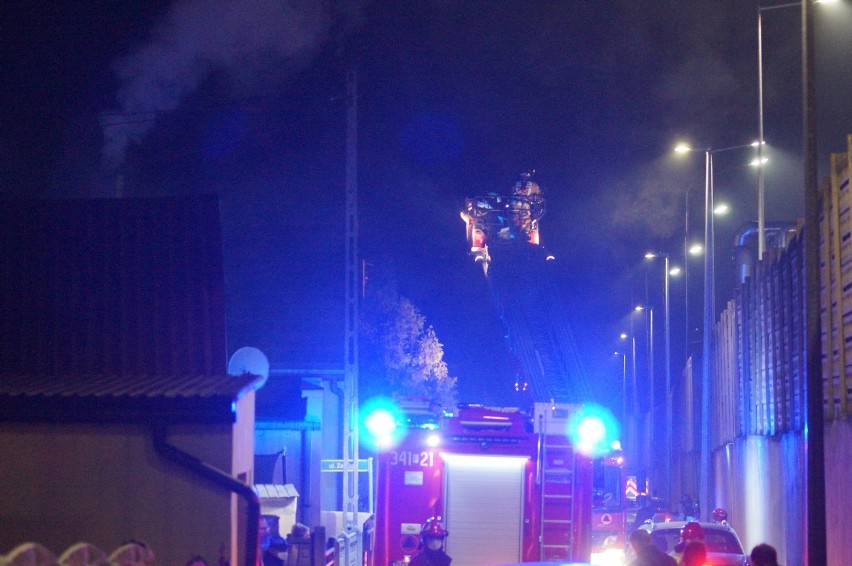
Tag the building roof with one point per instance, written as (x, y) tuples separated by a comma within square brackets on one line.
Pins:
[(114, 311), (112, 287), (125, 399)]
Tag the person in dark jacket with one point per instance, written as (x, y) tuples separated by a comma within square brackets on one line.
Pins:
[(271, 543), (764, 555), (647, 553)]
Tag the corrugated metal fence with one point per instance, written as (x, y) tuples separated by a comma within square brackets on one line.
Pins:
[(759, 369), (758, 386)]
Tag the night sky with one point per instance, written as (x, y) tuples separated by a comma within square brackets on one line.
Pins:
[(245, 99)]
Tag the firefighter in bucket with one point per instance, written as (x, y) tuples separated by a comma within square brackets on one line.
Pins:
[(432, 536)]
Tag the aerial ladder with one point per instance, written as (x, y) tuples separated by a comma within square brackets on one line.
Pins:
[(503, 236)]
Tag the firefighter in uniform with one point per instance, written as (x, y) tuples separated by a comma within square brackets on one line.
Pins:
[(432, 536), (720, 515), (691, 531)]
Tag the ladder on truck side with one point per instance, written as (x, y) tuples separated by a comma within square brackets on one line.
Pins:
[(557, 464)]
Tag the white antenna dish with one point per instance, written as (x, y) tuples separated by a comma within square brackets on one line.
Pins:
[(249, 360)]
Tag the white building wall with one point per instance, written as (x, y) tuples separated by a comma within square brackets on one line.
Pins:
[(105, 484)]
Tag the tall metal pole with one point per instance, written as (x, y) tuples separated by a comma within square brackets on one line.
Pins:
[(668, 392), (686, 273), (707, 334), (814, 432), (761, 236), (624, 390), (651, 397), (350, 348), (761, 190), (636, 413)]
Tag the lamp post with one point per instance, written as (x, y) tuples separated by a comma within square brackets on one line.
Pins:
[(649, 433), (709, 315), (814, 435), (761, 211), (761, 191), (689, 249), (623, 386), (667, 479), (815, 442), (632, 427)]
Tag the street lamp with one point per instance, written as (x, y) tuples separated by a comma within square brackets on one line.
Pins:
[(815, 442), (761, 191), (674, 271), (689, 249), (761, 241), (623, 386), (721, 209), (649, 434), (632, 427), (709, 312), (693, 250)]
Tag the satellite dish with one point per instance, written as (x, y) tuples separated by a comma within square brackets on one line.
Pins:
[(249, 360)]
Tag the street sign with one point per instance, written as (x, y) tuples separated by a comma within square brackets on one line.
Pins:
[(337, 465)]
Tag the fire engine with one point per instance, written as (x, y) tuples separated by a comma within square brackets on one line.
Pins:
[(508, 486), (610, 503)]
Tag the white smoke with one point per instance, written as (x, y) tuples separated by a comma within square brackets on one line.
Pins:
[(243, 38)]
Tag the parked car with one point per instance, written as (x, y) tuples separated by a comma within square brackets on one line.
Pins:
[(723, 545)]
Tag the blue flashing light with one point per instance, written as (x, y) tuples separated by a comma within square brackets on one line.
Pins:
[(381, 423), (593, 430)]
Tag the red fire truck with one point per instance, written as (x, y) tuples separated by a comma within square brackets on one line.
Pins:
[(610, 504), (509, 488)]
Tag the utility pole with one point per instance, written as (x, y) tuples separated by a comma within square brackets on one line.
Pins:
[(707, 350), (814, 429), (351, 534)]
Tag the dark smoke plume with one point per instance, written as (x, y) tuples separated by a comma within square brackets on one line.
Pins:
[(243, 39)]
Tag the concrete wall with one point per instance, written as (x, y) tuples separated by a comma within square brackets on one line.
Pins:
[(838, 481), (761, 482), (105, 484)]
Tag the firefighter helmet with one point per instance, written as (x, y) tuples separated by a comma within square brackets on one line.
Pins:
[(433, 528), (692, 531), (719, 515)]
